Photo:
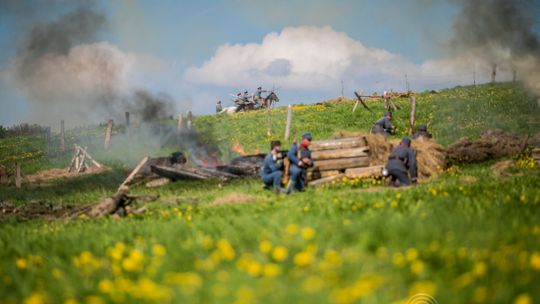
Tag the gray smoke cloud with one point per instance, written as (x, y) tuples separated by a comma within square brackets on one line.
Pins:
[(503, 33), (66, 72)]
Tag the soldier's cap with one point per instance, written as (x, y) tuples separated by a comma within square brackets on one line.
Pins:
[(219, 101), (388, 113), (307, 136), (259, 88), (274, 143), (422, 128), (406, 140)]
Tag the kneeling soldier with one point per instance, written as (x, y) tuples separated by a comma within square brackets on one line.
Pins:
[(271, 171), (401, 166)]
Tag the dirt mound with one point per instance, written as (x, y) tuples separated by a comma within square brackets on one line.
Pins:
[(492, 144), (55, 173), (429, 154), (234, 198)]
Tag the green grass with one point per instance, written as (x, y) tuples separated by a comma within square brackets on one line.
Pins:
[(469, 236)]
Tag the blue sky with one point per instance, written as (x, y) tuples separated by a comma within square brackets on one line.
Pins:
[(175, 46)]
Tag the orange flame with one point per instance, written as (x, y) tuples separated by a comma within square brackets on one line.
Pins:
[(237, 147)]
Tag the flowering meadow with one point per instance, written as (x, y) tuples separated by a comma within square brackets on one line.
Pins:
[(471, 235)]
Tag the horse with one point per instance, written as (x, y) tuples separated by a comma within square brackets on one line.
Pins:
[(271, 98)]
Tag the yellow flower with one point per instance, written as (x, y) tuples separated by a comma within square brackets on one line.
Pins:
[(106, 286), (188, 279), (94, 300), (21, 263), (308, 233), (271, 270), (426, 287), (134, 261), (291, 229), (535, 261), (417, 267), (279, 253), (479, 269), (523, 299), (253, 268), (159, 250), (265, 246), (225, 249), (302, 259), (35, 298), (398, 259)]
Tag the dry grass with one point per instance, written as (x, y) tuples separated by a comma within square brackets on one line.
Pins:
[(48, 175), (235, 198), (429, 154)]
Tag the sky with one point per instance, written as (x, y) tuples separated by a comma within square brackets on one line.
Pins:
[(198, 52)]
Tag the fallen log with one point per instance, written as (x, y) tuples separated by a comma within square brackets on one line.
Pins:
[(364, 172), (326, 180), (340, 153), (182, 172), (341, 143), (342, 163)]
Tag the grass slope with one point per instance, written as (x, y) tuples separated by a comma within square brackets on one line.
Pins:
[(469, 236)]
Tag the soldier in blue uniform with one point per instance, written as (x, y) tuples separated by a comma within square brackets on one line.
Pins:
[(384, 125), (300, 160), (401, 166), (271, 171)]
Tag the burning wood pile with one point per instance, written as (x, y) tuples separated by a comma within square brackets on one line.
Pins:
[(176, 168), (337, 158)]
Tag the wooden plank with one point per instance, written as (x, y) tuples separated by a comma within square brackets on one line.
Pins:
[(83, 150), (316, 174), (342, 163), (326, 180), (364, 172), (134, 172), (341, 143), (340, 153)]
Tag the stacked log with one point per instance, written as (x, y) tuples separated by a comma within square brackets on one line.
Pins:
[(337, 158), (536, 155)]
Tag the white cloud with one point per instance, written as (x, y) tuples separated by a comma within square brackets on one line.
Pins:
[(318, 58)]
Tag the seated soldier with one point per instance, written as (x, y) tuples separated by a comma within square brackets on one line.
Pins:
[(271, 171), (384, 126), (401, 166), (300, 161), (422, 133)]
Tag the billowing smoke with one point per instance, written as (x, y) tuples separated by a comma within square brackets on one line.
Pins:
[(66, 72), (503, 33), (152, 107)]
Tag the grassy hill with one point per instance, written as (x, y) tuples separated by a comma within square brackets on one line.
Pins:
[(470, 236)]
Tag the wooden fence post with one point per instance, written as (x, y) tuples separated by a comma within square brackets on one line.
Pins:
[(289, 122), (108, 133), (179, 128), (189, 118), (48, 135), (18, 175), (62, 137), (411, 117), (268, 121)]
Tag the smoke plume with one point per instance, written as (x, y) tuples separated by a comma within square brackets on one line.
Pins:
[(503, 33), (66, 72)]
